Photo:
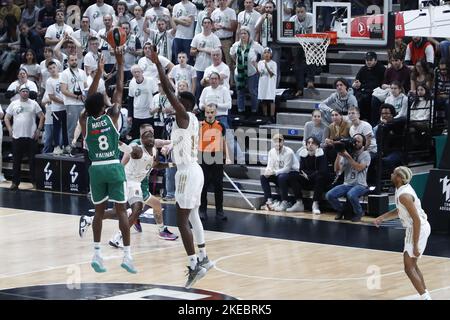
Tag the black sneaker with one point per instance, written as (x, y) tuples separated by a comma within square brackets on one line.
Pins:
[(339, 216), (14, 187), (220, 215), (356, 218)]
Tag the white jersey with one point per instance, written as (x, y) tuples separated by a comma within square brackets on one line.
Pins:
[(137, 169), (185, 142), (403, 213)]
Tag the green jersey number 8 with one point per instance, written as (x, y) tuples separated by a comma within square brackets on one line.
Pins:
[(103, 143)]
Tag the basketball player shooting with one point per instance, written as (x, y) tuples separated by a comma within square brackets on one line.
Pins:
[(189, 176), (106, 174)]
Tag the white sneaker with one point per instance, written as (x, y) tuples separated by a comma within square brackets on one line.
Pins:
[(97, 264), (127, 264), (297, 207), (117, 241), (2, 178), (84, 224), (282, 206), (57, 151), (315, 207)]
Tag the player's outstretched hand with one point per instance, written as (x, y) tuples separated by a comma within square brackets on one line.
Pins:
[(154, 54), (101, 63), (118, 52)]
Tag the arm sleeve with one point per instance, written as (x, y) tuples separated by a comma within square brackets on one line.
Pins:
[(429, 54), (408, 56)]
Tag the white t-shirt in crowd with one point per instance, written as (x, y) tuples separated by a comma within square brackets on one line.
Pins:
[(24, 117), (44, 71), (132, 43), (13, 86), (137, 27), (154, 13), (163, 42), (267, 84), (220, 96), (91, 60), (149, 67), (224, 17), (203, 59), (179, 73), (96, 13), (83, 37), (301, 27), (75, 80), (143, 96), (101, 84), (53, 86), (222, 69), (365, 129), (185, 10), (57, 32), (249, 20)]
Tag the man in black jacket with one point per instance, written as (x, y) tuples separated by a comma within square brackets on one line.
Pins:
[(389, 134), (368, 78), (313, 175)]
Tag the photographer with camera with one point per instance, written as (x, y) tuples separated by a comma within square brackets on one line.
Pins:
[(354, 162)]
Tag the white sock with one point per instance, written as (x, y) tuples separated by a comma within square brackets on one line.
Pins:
[(127, 251), (202, 253), (161, 227), (90, 219), (192, 260), (197, 226), (97, 249)]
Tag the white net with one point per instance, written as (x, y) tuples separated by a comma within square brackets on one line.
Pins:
[(315, 49)]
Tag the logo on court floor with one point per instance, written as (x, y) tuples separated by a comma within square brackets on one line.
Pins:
[(446, 188), (110, 291)]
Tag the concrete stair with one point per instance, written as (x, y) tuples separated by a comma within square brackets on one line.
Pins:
[(233, 199), (267, 143), (328, 79), (301, 104), (295, 119), (345, 68), (293, 131), (318, 93), (355, 55)]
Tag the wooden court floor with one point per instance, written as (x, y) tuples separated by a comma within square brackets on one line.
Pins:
[(44, 248)]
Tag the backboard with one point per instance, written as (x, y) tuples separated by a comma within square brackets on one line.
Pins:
[(359, 23)]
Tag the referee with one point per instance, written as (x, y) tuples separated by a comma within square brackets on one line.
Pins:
[(213, 152)]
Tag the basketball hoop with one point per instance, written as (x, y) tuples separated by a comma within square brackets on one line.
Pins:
[(315, 46)]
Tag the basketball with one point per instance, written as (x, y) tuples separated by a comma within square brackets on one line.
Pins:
[(116, 37)]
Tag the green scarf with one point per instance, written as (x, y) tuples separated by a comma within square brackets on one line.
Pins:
[(242, 65)]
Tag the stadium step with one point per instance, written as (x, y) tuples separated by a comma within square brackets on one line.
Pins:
[(303, 105), (356, 55), (329, 78), (295, 119), (294, 131), (235, 200), (345, 68), (266, 144), (318, 93)]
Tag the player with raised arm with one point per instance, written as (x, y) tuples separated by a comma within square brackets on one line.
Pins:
[(189, 176)]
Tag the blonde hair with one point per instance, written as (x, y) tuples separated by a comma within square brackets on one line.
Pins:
[(405, 174), (277, 137)]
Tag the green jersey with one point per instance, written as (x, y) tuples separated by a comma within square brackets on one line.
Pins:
[(102, 139)]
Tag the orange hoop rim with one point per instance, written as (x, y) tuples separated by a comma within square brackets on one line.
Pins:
[(332, 35)]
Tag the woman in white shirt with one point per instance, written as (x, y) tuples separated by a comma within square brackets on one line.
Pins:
[(413, 217), (33, 69), (245, 53)]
